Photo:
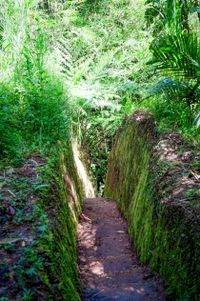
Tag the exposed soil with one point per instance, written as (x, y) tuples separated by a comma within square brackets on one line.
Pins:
[(108, 265), (18, 196)]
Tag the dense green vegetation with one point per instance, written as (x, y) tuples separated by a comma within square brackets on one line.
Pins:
[(86, 64), (35, 122), (78, 68), (34, 108)]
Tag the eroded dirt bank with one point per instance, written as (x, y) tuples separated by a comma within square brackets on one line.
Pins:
[(108, 265)]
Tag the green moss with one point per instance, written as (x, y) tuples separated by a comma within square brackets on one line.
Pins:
[(164, 236), (61, 247)]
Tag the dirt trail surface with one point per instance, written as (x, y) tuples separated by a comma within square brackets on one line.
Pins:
[(108, 266)]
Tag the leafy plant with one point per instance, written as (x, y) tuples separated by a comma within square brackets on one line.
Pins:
[(176, 55), (34, 106), (28, 295)]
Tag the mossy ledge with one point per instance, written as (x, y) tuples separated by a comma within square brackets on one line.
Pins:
[(154, 179)]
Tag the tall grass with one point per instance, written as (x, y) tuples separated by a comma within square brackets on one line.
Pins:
[(34, 108)]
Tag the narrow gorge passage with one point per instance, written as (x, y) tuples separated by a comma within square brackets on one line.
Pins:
[(108, 265)]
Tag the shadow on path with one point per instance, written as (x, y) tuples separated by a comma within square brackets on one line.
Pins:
[(108, 266)]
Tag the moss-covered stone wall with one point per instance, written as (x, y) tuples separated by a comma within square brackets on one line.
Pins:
[(154, 180)]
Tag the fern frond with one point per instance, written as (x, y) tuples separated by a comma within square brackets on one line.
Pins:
[(65, 58)]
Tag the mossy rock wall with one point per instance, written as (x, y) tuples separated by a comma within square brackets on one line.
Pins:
[(150, 177)]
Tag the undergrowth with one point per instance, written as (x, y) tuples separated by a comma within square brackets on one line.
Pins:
[(38, 214), (35, 114), (86, 65), (172, 115), (109, 65), (107, 48)]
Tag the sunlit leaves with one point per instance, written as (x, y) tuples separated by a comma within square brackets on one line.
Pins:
[(179, 53)]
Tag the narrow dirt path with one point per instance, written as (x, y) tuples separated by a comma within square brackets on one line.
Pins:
[(108, 266)]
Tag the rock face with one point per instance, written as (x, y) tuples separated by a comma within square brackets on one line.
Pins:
[(155, 180)]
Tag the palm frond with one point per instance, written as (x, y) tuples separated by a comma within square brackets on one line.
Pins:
[(178, 53), (170, 87)]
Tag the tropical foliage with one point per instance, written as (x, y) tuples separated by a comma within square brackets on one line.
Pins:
[(84, 65), (176, 59), (177, 49)]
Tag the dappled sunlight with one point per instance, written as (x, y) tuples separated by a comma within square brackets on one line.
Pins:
[(166, 151), (87, 237), (96, 267), (181, 178), (82, 172), (73, 198), (108, 266), (99, 97)]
